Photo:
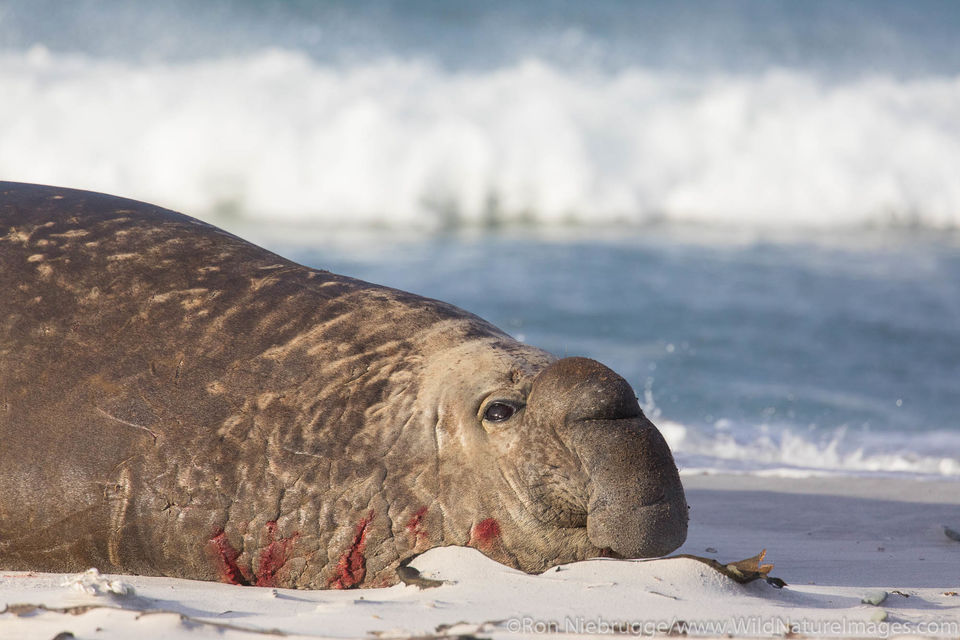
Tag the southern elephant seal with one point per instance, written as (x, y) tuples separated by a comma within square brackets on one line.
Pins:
[(177, 401)]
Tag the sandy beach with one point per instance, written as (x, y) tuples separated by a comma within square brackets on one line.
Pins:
[(835, 541)]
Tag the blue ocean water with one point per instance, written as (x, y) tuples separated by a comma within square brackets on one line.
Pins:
[(748, 208)]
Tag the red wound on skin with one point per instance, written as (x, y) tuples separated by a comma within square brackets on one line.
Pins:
[(485, 532), (352, 567), (273, 556), (415, 525), (226, 557)]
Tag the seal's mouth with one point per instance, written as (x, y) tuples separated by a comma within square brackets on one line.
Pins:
[(558, 500)]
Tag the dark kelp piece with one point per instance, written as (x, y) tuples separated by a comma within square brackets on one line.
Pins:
[(742, 571)]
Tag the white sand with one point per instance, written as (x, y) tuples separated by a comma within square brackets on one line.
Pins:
[(833, 540)]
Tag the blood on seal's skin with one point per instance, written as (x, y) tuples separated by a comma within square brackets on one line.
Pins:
[(415, 525), (485, 532), (352, 567), (226, 557), (273, 556)]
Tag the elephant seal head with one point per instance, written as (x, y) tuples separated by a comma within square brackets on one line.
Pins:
[(549, 460)]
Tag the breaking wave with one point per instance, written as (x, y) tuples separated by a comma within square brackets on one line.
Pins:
[(278, 136), (792, 453)]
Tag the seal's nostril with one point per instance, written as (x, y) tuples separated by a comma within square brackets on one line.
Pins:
[(591, 391), (655, 499), (624, 407)]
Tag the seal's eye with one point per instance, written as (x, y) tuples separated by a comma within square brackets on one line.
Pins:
[(499, 411)]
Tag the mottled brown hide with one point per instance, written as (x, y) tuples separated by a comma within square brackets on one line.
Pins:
[(177, 401)]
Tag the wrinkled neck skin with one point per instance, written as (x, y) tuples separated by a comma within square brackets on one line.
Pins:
[(422, 471)]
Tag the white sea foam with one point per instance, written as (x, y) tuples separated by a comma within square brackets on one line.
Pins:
[(790, 453), (402, 143)]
